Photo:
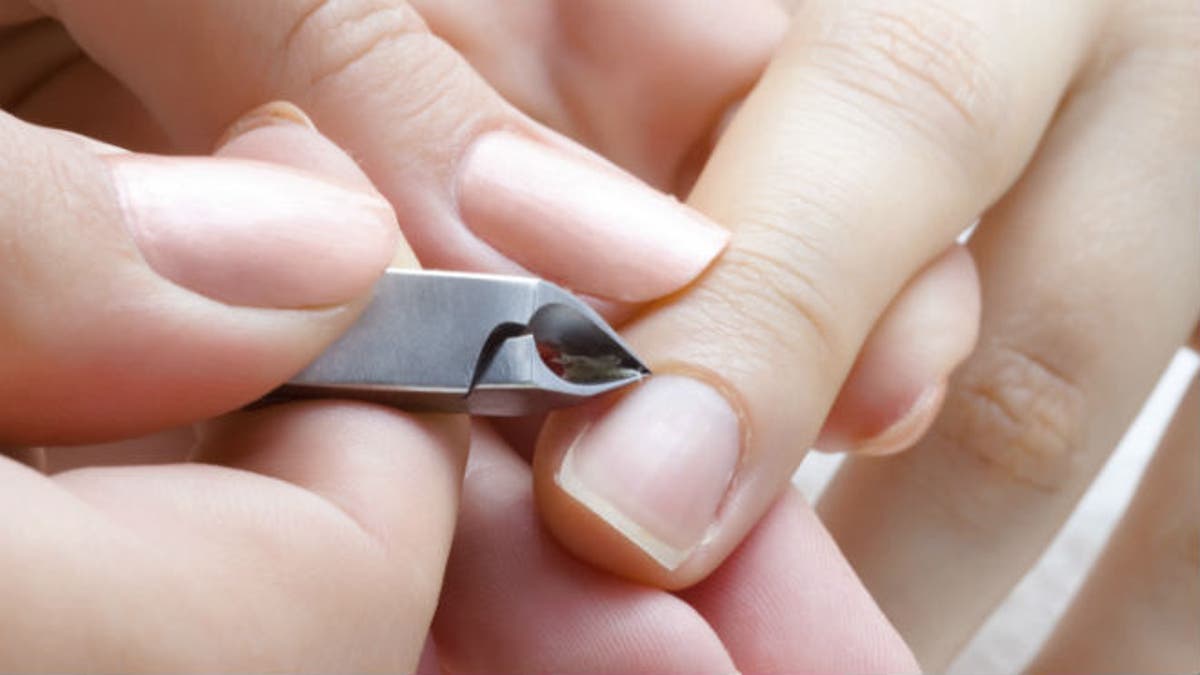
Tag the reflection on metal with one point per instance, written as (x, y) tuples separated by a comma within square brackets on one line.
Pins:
[(482, 344)]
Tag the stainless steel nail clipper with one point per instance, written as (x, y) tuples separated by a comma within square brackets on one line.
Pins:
[(475, 343)]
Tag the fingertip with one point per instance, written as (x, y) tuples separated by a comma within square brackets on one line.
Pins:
[(165, 276), (279, 132), (515, 602), (577, 528), (896, 387), (819, 616), (282, 133), (899, 433), (396, 474), (619, 514)]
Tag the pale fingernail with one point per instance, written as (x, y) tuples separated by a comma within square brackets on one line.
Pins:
[(589, 227), (275, 112), (251, 233), (910, 427), (657, 466), (901, 434)]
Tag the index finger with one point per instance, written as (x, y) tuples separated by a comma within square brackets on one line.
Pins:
[(880, 131), (476, 185)]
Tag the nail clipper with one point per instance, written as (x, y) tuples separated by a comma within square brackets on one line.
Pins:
[(470, 343)]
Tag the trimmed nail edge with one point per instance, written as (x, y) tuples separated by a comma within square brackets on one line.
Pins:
[(667, 556), (275, 112)]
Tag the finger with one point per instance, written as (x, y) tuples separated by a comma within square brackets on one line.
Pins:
[(396, 476), (1139, 610), (478, 185), (129, 276), (787, 601), (515, 602), (616, 75), (320, 550), (1074, 335), (279, 133), (896, 387), (878, 133)]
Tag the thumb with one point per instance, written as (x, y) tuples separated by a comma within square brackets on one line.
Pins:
[(140, 292)]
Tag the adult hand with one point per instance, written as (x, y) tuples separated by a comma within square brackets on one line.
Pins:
[(478, 185), (142, 291), (151, 104), (514, 601), (879, 132), (785, 601), (143, 302), (989, 520)]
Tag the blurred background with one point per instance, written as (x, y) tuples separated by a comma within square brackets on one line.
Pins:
[(1011, 637)]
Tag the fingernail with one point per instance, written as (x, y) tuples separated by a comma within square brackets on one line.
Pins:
[(910, 427), (251, 233), (656, 467), (268, 114), (902, 433), (587, 226)]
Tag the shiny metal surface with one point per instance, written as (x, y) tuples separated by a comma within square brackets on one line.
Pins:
[(458, 342)]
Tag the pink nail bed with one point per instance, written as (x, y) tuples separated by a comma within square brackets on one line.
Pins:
[(584, 225), (250, 233), (658, 465)]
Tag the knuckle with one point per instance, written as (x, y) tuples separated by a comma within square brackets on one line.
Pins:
[(1024, 419), (922, 63), (329, 38), (770, 283)]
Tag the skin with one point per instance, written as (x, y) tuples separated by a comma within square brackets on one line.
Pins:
[(748, 653), (331, 541), (1034, 412), (917, 119), (663, 140)]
